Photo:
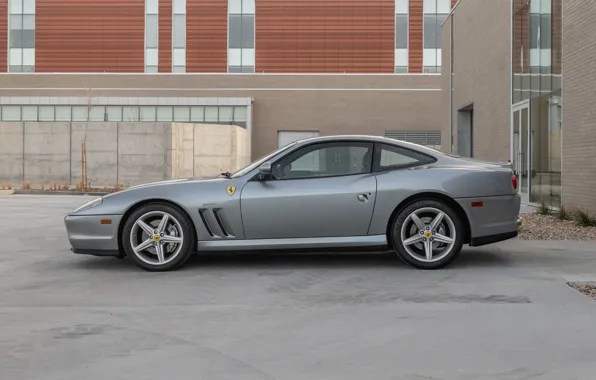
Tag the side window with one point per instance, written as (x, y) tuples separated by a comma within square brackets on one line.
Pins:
[(390, 157), (324, 160)]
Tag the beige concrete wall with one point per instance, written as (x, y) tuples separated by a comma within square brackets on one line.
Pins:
[(48, 154), (11, 152), (102, 153), (579, 102), (204, 150), (142, 152), (481, 72), (330, 104), (182, 151)]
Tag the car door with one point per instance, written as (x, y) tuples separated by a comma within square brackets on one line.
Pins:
[(321, 190)]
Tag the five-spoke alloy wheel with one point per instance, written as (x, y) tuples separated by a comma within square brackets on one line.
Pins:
[(158, 237), (427, 234)]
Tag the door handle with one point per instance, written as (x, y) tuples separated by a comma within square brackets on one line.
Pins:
[(363, 197)]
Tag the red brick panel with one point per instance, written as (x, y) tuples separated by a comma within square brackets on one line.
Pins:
[(313, 36), (206, 36), (165, 36), (415, 34), (89, 36), (517, 39), (3, 36), (450, 21), (521, 36)]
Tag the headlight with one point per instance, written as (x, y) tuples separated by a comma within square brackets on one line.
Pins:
[(90, 204)]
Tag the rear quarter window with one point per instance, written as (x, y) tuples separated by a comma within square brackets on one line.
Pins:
[(391, 157)]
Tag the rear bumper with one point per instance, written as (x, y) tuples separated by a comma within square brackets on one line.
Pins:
[(492, 219), (87, 235), (490, 239)]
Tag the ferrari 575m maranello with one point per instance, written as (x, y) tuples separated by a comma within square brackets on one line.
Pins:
[(322, 194)]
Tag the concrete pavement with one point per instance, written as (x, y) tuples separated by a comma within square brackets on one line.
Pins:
[(501, 312)]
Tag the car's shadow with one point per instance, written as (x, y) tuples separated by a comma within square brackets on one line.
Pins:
[(469, 258)]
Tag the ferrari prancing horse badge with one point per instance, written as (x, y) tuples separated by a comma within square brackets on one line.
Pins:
[(231, 190)]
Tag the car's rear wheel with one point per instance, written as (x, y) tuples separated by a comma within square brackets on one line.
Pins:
[(158, 237), (427, 234)]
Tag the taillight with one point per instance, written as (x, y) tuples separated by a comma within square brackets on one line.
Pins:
[(514, 182)]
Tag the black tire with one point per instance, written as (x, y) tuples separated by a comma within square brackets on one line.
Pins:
[(188, 241), (399, 247)]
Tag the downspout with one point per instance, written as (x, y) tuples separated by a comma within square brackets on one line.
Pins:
[(511, 46), (451, 82)]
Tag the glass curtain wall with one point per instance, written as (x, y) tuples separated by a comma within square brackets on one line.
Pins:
[(537, 27)]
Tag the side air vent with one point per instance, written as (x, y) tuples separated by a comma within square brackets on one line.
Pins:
[(206, 223), (215, 223), (221, 222)]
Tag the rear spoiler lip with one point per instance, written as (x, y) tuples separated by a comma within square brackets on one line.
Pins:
[(503, 164), (496, 165)]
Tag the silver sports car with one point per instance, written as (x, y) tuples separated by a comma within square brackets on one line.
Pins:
[(323, 194)]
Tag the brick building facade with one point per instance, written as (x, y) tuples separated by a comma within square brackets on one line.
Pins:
[(310, 67)]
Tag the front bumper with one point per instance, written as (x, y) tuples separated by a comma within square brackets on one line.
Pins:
[(88, 235)]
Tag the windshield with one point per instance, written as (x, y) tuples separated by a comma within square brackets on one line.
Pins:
[(258, 162)]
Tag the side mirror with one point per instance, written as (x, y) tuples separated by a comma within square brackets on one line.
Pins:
[(265, 170)]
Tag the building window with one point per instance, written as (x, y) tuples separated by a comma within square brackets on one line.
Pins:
[(401, 36), (179, 36), (540, 36), (151, 35), (80, 113), (97, 113), (21, 53), (241, 36), (435, 13), (226, 115), (62, 113), (11, 113), (148, 113), (47, 113), (114, 113), (29, 113)]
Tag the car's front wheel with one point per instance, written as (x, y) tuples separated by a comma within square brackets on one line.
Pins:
[(427, 234), (158, 237)]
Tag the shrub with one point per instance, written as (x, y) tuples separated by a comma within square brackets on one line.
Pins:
[(543, 209), (584, 219), (562, 213)]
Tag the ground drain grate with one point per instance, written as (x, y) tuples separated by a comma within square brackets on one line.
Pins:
[(587, 288)]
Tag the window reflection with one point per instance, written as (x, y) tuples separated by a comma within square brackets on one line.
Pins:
[(537, 77)]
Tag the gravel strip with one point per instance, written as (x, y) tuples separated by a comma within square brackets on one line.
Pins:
[(587, 289), (547, 227)]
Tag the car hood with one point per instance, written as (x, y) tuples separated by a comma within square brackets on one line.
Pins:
[(175, 181)]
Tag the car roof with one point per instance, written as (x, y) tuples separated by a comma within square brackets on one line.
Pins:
[(369, 138)]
